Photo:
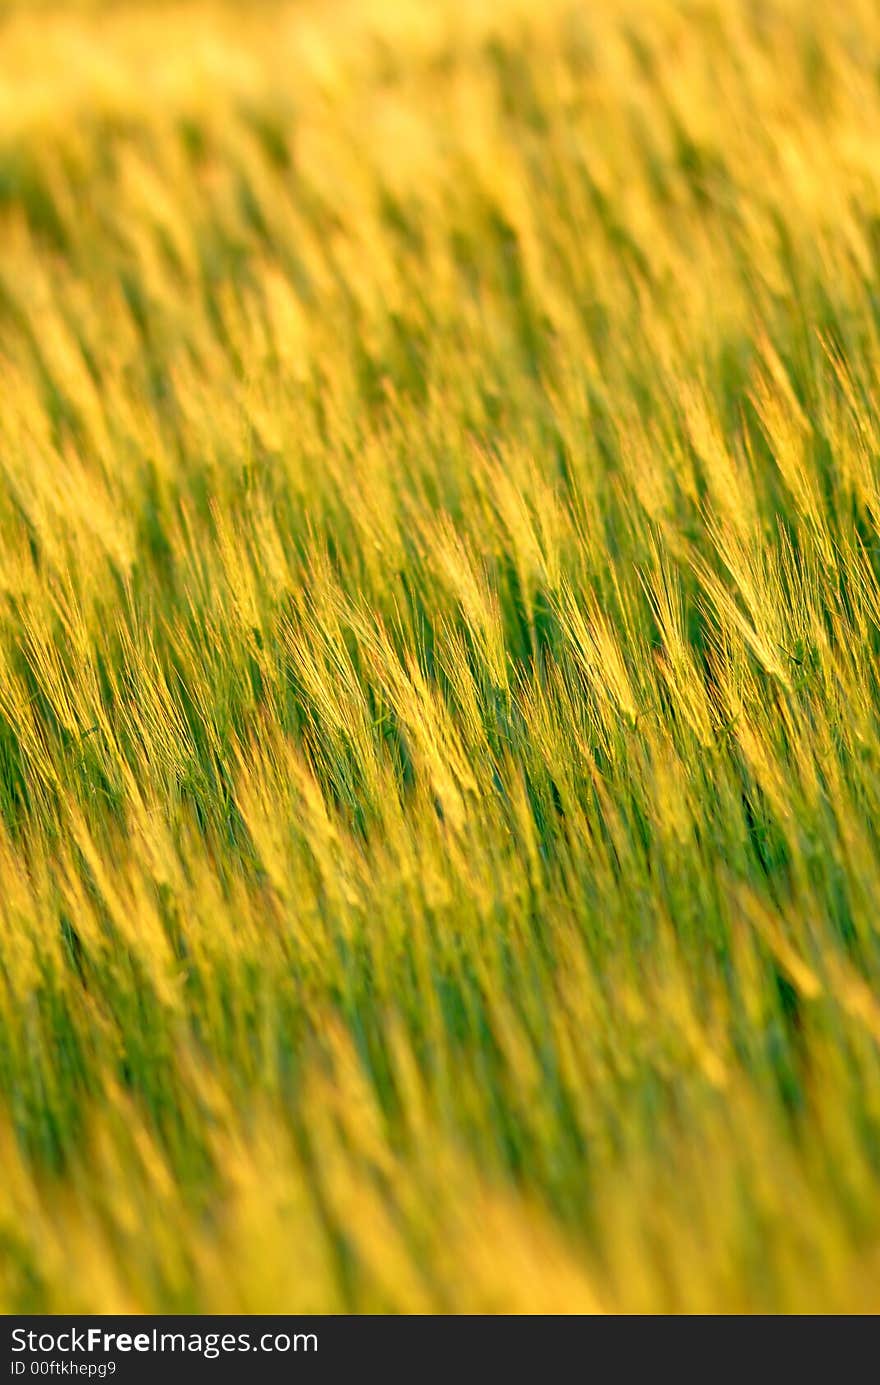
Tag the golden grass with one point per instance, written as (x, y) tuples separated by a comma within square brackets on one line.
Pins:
[(439, 631)]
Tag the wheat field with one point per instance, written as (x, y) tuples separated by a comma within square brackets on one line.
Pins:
[(439, 631)]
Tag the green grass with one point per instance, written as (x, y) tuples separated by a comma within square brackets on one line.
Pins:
[(439, 632)]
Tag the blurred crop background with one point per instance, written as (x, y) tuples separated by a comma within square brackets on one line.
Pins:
[(439, 631)]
